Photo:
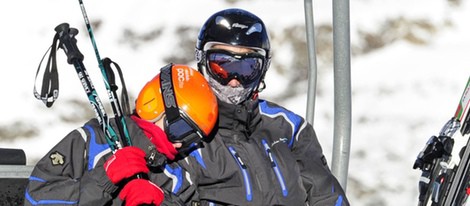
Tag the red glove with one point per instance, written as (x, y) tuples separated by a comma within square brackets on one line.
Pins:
[(140, 191), (125, 163), (157, 136)]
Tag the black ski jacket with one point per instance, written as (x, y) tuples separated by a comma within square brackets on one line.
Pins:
[(260, 154), (72, 173)]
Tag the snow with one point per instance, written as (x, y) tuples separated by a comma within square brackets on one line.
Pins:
[(402, 93)]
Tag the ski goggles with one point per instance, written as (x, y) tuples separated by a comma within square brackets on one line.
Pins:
[(183, 130), (178, 127), (224, 66)]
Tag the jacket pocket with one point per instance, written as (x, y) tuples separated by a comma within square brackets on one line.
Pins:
[(246, 175), (275, 167)]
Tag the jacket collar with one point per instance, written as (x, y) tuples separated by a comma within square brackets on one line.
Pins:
[(243, 117)]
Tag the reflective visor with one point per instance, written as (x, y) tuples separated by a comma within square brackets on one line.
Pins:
[(179, 128), (225, 66), (183, 130)]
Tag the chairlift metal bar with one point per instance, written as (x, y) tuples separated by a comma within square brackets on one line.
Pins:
[(312, 60), (342, 89)]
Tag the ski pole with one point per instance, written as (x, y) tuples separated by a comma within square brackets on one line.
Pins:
[(68, 43), (107, 73)]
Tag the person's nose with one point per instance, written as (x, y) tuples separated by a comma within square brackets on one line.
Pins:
[(234, 83)]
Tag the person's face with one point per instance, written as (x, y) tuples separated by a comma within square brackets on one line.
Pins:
[(234, 49)]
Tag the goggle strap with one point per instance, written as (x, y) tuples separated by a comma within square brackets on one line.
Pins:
[(168, 94)]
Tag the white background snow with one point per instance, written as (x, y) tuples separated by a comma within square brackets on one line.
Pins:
[(402, 93)]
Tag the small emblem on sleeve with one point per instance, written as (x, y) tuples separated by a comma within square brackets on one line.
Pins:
[(57, 158)]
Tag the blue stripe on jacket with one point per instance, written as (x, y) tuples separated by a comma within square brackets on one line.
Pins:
[(293, 119)]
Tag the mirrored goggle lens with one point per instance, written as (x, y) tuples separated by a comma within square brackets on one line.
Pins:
[(180, 130), (225, 67)]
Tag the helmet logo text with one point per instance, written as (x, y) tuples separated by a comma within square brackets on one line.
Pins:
[(238, 25), (181, 77), (167, 88)]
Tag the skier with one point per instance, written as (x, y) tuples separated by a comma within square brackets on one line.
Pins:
[(176, 104), (260, 153)]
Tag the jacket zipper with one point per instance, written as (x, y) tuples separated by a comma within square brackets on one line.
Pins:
[(276, 169), (246, 176)]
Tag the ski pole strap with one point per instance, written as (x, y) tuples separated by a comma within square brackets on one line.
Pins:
[(119, 117), (107, 64), (50, 80)]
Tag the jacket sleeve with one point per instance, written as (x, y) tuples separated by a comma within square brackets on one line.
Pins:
[(322, 187), (177, 181), (60, 176)]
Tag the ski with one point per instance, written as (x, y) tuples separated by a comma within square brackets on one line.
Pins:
[(440, 182), (455, 190), (463, 107)]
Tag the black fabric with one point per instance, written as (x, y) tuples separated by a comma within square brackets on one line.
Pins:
[(12, 191), (10, 156), (166, 84), (267, 149), (243, 117)]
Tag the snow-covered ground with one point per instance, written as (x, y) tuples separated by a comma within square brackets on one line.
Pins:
[(402, 93)]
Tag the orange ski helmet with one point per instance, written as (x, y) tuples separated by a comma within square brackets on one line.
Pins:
[(190, 98)]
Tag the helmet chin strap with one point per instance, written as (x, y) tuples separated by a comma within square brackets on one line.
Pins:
[(254, 96), (261, 87)]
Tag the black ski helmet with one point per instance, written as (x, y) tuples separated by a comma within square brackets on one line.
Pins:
[(236, 27)]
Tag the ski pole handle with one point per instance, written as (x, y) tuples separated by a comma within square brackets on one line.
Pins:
[(68, 42)]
